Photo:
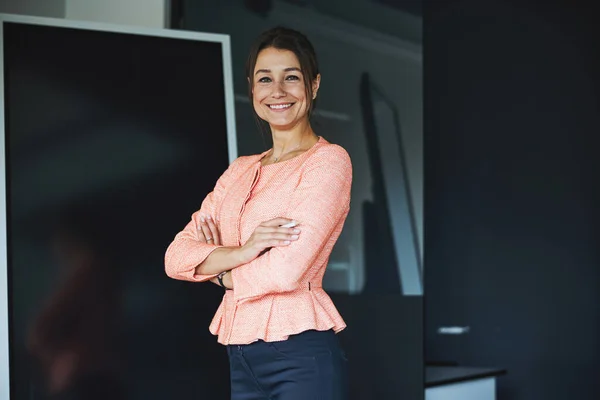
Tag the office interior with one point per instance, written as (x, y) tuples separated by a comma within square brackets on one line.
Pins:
[(444, 297)]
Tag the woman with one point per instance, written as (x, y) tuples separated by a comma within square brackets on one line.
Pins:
[(265, 234)]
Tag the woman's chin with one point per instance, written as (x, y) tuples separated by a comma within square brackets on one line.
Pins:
[(283, 123)]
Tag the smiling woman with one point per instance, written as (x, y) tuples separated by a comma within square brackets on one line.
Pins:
[(265, 234), (279, 93), (283, 81)]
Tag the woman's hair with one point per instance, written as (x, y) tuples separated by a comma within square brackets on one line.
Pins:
[(286, 39)]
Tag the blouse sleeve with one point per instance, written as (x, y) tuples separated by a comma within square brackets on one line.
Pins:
[(320, 203), (185, 253)]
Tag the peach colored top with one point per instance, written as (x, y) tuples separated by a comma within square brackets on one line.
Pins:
[(279, 293)]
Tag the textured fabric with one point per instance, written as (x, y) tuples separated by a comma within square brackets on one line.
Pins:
[(310, 365), (279, 293)]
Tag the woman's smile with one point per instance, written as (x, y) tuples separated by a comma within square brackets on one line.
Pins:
[(280, 107)]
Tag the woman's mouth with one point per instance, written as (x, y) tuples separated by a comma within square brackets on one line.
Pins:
[(280, 107)]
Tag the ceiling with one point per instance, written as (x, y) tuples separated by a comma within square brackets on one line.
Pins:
[(414, 7)]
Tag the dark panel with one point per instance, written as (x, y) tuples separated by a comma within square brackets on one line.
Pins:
[(384, 345), (511, 195), (113, 141)]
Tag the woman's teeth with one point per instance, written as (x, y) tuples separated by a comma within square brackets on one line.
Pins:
[(280, 106)]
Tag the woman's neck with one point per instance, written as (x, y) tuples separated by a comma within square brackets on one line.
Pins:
[(288, 143), (287, 140)]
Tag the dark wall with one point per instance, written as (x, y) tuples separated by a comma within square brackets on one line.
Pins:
[(511, 195), (384, 345)]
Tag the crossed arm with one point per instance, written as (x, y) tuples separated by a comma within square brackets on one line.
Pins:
[(319, 204), (267, 235)]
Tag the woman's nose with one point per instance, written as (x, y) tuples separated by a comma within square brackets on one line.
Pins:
[(278, 89)]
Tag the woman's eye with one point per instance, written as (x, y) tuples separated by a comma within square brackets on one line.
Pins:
[(292, 78), (264, 79)]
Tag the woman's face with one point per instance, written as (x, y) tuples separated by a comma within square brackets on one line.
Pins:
[(278, 91)]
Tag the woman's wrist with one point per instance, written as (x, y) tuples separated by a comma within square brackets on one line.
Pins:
[(227, 280), (221, 280), (238, 255), (234, 257), (221, 259)]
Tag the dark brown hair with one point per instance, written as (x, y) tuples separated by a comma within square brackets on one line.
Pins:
[(282, 38)]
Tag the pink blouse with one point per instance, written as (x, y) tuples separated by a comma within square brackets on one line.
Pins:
[(279, 293)]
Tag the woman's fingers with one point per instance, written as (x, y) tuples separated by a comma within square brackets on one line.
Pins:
[(208, 232), (275, 243), (201, 235), (274, 239), (214, 231), (280, 236), (205, 230), (270, 234), (279, 222), (274, 233), (274, 230)]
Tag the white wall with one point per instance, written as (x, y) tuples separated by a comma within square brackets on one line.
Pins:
[(147, 13), (38, 8)]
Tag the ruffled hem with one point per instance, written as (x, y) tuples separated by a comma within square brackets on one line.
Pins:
[(275, 317)]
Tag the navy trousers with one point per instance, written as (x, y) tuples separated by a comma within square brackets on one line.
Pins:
[(307, 366)]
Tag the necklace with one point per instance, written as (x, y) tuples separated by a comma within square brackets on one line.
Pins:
[(287, 152)]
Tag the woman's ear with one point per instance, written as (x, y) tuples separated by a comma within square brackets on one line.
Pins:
[(315, 85)]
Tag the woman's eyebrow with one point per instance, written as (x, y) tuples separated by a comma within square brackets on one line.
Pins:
[(267, 71)]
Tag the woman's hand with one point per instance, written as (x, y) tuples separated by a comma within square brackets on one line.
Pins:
[(208, 232), (266, 235)]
